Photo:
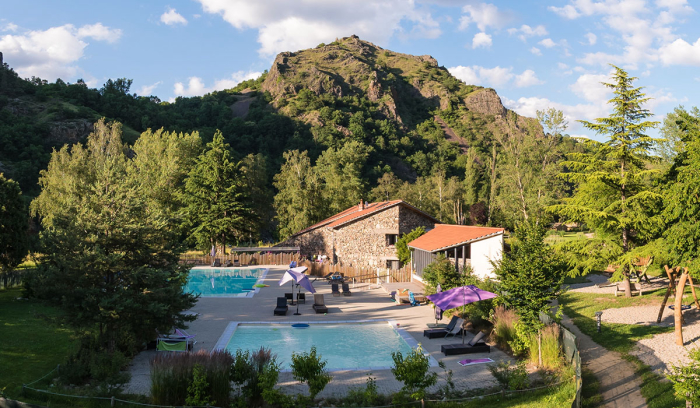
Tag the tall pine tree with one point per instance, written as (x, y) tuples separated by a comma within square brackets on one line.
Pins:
[(613, 194), (217, 208)]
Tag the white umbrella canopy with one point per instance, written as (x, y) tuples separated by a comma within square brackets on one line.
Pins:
[(297, 275)]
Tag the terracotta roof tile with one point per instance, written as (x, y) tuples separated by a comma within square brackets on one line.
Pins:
[(446, 236), (354, 213)]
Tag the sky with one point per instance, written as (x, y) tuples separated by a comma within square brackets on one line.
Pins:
[(536, 54)]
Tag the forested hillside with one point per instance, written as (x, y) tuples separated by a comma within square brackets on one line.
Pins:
[(322, 129)]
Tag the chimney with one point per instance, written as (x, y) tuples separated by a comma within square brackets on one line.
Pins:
[(362, 205)]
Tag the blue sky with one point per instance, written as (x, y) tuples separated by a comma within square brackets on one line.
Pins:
[(536, 54)]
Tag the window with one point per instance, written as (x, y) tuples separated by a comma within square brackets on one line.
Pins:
[(391, 239)]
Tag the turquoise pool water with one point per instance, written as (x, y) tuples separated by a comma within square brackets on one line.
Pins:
[(225, 282), (344, 345)]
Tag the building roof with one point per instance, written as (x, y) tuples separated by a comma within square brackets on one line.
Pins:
[(445, 236), (354, 213)]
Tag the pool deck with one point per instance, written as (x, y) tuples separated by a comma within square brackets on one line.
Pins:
[(366, 302)]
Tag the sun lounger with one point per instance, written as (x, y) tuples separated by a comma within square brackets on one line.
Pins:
[(281, 309), (165, 344), (346, 290), (236, 262), (289, 297), (334, 289), (301, 297), (457, 329), (217, 263), (442, 332), (319, 303), (475, 345)]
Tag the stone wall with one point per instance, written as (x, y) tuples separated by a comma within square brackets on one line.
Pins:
[(361, 243)]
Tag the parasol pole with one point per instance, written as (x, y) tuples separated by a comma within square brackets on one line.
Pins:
[(298, 291)]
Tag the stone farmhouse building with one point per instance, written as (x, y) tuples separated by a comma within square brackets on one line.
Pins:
[(363, 235)]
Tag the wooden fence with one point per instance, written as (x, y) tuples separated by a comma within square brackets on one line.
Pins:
[(12, 278), (361, 274)]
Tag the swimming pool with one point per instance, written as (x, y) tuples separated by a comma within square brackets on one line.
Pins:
[(358, 345), (224, 282)]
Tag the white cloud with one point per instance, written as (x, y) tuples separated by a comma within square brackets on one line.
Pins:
[(526, 31), (52, 53), (195, 86), (590, 87), (527, 78), (481, 40), (172, 17), (535, 51), (484, 15), (147, 90), (592, 38), (567, 11), (548, 43), (561, 65), (641, 28), (100, 33), (10, 27), (680, 52), (495, 77), (284, 25), (528, 106)]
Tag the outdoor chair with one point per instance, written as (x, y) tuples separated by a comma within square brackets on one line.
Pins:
[(228, 264), (475, 345), (165, 344), (281, 309), (346, 290), (217, 263), (289, 297), (442, 332), (334, 289), (319, 304), (457, 329), (301, 297), (328, 277), (236, 262)]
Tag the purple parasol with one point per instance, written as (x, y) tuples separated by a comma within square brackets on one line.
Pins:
[(298, 276), (460, 296)]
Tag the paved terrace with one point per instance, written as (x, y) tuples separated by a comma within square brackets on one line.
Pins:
[(366, 302)]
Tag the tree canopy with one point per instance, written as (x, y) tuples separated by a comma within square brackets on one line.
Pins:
[(14, 223)]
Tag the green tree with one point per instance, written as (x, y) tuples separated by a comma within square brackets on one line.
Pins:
[(110, 261), (553, 121), (309, 368), (341, 173), (442, 271), (217, 204), (472, 176), (256, 180), (672, 131), (402, 250), (413, 371), (681, 213), (614, 195), (14, 243), (388, 187), (298, 200), (531, 274)]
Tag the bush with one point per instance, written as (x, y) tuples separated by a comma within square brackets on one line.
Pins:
[(504, 321), (197, 391), (172, 375), (414, 372), (309, 368), (102, 367), (685, 379), (364, 396), (510, 377), (254, 374), (443, 272)]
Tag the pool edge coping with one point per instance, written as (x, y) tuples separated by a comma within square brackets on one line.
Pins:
[(232, 326), (248, 294)]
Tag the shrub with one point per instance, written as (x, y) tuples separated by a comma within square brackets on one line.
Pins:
[(402, 250), (90, 363), (172, 375), (685, 379), (503, 326), (309, 368), (443, 272), (414, 372), (364, 396), (197, 391), (510, 377)]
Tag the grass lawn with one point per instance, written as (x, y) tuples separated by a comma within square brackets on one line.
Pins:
[(556, 237), (581, 307), (32, 343)]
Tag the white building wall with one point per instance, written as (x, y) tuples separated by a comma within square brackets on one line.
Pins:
[(485, 251)]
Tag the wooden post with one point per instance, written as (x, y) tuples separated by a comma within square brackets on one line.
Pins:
[(671, 286), (678, 305), (692, 288)]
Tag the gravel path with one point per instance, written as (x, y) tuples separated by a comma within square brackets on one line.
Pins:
[(609, 288)]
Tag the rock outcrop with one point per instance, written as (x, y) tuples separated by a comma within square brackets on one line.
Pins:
[(485, 101)]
